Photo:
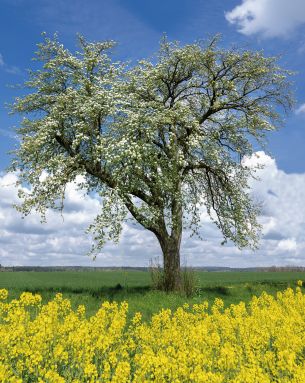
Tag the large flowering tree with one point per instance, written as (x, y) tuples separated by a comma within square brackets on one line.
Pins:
[(156, 141)]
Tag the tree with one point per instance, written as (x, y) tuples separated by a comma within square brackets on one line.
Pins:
[(156, 140)]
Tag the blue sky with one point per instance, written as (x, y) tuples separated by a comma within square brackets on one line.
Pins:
[(275, 26)]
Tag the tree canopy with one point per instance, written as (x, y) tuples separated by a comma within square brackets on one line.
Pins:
[(158, 140)]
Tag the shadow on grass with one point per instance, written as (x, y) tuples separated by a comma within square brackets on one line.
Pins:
[(221, 290), (110, 293), (271, 284), (117, 292)]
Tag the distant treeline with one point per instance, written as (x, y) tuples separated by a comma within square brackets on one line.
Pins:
[(67, 268), (282, 268), (203, 268)]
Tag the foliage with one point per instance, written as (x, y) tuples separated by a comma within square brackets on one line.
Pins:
[(156, 140), (261, 342)]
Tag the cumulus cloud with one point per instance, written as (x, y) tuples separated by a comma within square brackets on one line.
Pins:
[(268, 18), (283, 210), (63, 242)]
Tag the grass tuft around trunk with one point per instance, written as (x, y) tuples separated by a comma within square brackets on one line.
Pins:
[(189, 280)]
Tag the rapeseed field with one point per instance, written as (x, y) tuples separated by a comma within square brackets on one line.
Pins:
[(258, 342)]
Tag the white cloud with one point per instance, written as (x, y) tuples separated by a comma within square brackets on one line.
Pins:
[(268, 18), (28, 242), (12, 69), (288, 245), (300, 109), (62, 241)]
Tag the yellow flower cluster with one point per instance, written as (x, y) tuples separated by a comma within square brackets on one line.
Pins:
[(261, 342)]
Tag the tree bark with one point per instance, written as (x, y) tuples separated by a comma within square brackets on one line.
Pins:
[(170, 245), (171, 263)]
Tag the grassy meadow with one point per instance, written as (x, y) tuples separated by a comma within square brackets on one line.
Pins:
[(91, 288)]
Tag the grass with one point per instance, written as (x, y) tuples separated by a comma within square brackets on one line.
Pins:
[(92, 287)]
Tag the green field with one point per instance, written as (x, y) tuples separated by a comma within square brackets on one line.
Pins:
[(93, 287)]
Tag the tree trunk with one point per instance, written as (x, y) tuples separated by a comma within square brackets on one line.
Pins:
[(170, 246), (171, 260)]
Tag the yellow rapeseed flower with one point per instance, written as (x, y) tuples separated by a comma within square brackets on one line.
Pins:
[(3, 294), (258, 342)]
